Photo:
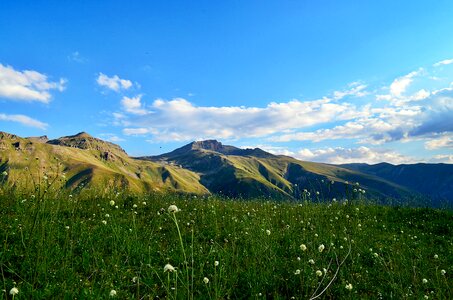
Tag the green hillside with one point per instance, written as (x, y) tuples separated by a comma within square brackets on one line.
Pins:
[(81, 161)]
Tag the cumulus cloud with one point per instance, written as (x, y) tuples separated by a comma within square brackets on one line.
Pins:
[(24, 120), (27, 85), (443, 158), (181, 119), (353, 155), (113, 83), (399, 85), (133, 105)]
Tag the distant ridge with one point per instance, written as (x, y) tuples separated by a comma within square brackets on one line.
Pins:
[(203, 167)]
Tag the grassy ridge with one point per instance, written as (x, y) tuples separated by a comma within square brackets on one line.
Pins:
[(85, 246)]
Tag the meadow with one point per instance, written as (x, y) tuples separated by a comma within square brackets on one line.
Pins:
[(99, 246)]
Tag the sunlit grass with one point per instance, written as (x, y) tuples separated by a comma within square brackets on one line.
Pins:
[(88, 246)]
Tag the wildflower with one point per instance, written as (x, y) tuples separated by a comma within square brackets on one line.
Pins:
[(134, 206), (321, 247), (112, 203), (143, 203), (443, 272), (268, 232), (375, 254), (303, 247), (4, 173), (311, 261), (319, 273), (173, 209), (67, 227), (104, 222), (112, 293), (107, 215), (424, 280), (169, 268), (436, 256), (297, 272), (216, 263), (206, 280), (14, 291), (348, 286)]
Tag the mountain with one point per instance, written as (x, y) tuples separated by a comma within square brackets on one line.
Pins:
[(433, 180), (202, 167), (82, 161), (253, 172)]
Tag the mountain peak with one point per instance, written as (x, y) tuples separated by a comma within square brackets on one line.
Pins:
[(213, 145), (82, 134)]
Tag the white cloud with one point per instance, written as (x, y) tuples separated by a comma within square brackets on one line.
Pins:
[(114, 83), (76, 57), (24, 120), (136, 131), (110, 137), (445, 142), (133, 105), (399, 85), (443, 62), (27, 85), (181, 119), (272, 149), (353, 155), (443, 158), (355, 89)]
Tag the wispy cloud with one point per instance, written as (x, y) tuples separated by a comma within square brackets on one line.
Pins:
[(443, 62), (113, 83), (442, 142), (77, 57), (27, 85), (353, 155), (356, 89), (24, 120), (110, 137)]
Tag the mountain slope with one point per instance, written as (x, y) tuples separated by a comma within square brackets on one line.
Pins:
[(84, 161), (254, 172), (433, 180)]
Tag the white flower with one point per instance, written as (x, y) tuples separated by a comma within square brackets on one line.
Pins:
[(14, 291), (436, 256), (303, 247), (424, 280), (443, 272), (4, 173), (134, 206), (216, 263), (112, 293), (321, 247), (268, 232), (173, 209), (319, 273), (67, 227), (375, 254), (112, 203), (297, 272), (311, 261), (107, 215), (169, 268), (104, 222), (348, 286), (206, 280)]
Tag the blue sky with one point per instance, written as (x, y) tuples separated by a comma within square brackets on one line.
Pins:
[(330, 81)]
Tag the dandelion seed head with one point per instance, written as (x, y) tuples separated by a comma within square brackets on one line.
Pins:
[(14, 291), (169, 268), (173, 209)]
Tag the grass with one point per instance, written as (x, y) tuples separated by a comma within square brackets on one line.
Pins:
[(84, 246)]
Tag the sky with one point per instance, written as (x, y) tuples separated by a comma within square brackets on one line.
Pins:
[(326, 81)]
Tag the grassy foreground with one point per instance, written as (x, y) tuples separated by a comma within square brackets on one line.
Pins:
[(97, 247)]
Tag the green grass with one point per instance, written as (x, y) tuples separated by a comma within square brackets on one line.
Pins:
[(81, 246)]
